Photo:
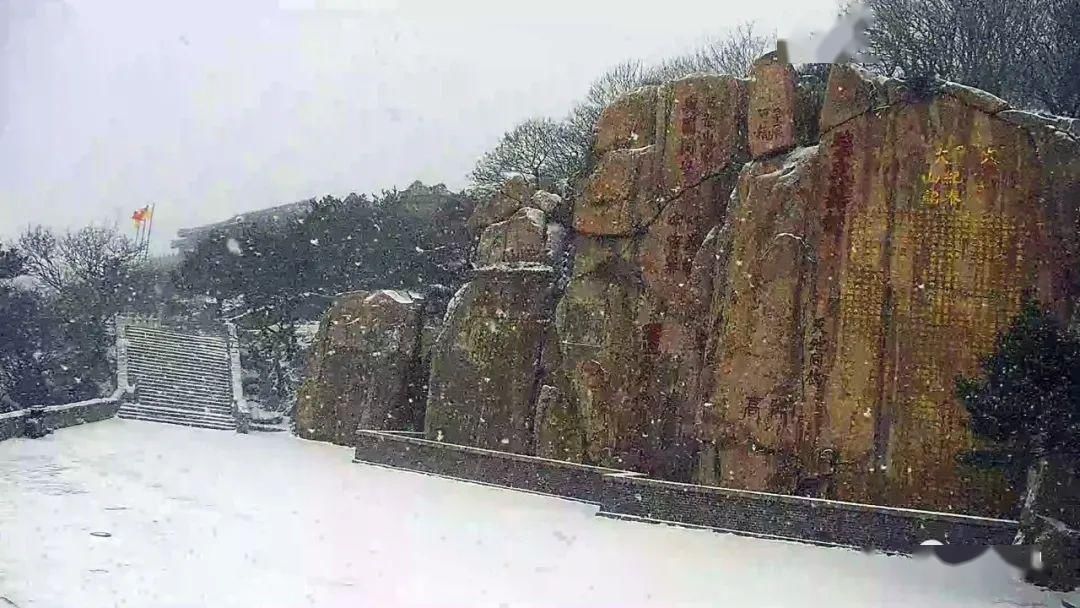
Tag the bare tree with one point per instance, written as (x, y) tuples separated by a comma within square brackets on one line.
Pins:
[(96, 254), (92, 256), (86, 276), (735, 53), (1054, 80), (552, 154), (42, 259), (964, 40), (541, 150), (1023, 50)]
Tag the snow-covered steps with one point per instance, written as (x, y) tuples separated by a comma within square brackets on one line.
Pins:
[(150, 413), (179, 377)]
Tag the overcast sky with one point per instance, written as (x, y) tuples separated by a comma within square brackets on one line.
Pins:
[(210, 107)]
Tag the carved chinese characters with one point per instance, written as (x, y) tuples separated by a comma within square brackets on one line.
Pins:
[(771, 117)]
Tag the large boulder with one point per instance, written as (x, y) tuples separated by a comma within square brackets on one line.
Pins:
[(483, 381), (629, 122), (365, 370), (789, 321), (520, 239), (851, 92), (749, 395), (514, 194), (700, 136), (551, 204), (619, 198)]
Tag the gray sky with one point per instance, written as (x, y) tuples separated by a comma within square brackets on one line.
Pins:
[(210, 107)]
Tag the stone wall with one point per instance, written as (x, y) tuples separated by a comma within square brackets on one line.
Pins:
[(774, 283), (12, 424), (622, 494)]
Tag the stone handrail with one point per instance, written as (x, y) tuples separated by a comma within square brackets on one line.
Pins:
[(241, 408)]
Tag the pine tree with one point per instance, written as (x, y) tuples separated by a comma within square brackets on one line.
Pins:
[(1028, 400)]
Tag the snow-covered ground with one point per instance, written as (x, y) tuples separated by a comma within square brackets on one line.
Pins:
[(213, 519)]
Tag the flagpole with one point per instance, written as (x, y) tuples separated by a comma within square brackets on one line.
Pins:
[(149, 228), (138, 231)]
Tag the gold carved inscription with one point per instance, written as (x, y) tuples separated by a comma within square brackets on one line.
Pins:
[(962, 274)]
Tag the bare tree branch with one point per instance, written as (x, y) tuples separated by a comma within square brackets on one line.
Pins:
[(553, 154), (545, 152), (39, 245), (92, 256), (1023, 50)]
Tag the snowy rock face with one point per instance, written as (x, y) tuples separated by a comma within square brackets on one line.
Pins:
[(547, 202), (624, 324), (790, 324), (364, 370), (522, 238)]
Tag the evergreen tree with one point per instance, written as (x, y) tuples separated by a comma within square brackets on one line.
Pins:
[(270, 276), (1028, 400), (22, 360)]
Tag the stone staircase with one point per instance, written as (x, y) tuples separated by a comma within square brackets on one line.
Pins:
[(179, 378)]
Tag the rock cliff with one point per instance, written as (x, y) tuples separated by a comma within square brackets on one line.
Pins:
[(853, 281), (769, 284)]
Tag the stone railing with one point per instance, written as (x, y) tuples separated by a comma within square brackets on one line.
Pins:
[(13, 424), (120, 323), (241, 408), (629, 495)]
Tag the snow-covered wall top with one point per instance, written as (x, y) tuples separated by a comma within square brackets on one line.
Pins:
[(13, 424)]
